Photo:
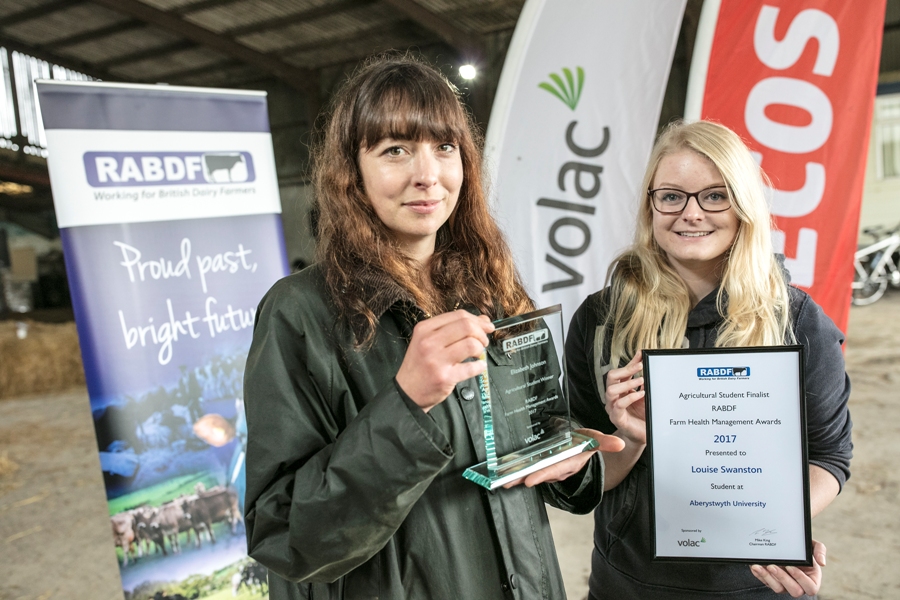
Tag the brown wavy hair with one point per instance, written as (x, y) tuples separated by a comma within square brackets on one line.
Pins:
[(404, 98)]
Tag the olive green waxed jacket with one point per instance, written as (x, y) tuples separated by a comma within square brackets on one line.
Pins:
[(355, 492)]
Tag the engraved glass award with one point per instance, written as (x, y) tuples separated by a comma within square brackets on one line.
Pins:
[(523, 400)]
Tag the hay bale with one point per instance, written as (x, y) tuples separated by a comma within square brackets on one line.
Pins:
[(46, 360)]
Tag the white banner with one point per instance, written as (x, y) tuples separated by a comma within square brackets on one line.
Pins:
[(107, 181), (572, 126)]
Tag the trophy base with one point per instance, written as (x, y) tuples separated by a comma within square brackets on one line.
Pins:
[(528, 460)]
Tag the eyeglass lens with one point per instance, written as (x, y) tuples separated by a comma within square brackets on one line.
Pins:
[(670, 200)]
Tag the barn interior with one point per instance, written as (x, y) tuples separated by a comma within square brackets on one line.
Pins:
[(298, 52)]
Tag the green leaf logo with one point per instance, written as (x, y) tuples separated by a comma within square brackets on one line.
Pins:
[(703, 540), (568, 90)]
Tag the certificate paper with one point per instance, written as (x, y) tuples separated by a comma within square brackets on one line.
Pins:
[(726, 430)]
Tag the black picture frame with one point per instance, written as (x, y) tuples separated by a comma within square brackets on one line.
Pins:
[(648, 356)]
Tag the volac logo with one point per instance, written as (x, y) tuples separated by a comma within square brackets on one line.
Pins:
[(117, 169), (584, 176), (692, 543), (569, 91), (715, 372), (523, 341)]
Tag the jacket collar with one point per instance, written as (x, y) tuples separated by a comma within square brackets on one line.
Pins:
[(382, 293)]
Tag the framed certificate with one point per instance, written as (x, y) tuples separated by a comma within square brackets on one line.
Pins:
[(726, 432)]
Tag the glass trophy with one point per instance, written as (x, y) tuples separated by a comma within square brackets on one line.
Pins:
[(523, 400)]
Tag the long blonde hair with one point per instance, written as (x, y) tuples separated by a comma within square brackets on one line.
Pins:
[(650, 303)]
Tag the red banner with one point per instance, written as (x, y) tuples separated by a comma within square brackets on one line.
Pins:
[(796, 79)]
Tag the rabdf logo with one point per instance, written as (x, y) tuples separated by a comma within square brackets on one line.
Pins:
[(118, 169), (568, 90), (523, 341), (716, 372)]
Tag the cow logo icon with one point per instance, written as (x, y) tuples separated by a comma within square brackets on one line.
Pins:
[(568, 90), (224, 167)]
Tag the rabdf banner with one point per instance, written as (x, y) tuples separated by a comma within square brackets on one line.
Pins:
[(169, 214), (796, 79), (571, 130)]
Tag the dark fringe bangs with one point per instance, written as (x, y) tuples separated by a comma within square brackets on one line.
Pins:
[(409, 105)]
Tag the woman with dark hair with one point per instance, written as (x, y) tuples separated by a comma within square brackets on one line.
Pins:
[(701, 273), (360, 380)]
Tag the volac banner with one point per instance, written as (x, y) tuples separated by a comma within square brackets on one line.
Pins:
[(168, 208), (796, 79), (571, 130)]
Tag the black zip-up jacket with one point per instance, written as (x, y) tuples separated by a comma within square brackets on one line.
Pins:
[(621, 565), (354, 492)]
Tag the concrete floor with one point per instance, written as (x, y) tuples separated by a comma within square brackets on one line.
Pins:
[(55, 537)]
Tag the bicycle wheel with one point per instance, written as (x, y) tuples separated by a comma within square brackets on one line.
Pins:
[(869, 290)]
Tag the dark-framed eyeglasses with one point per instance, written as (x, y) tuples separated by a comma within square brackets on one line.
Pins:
[(672, 201)]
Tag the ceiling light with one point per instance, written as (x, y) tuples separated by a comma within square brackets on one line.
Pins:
[(467, 71)]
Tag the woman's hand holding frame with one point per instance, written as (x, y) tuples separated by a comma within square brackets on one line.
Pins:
[(795, 581), (625, 401)]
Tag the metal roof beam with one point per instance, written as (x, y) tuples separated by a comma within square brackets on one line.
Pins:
[(186, 9), (94, 34), (467, 43), (155, 52), (312, 14), (329, 43), (175, 76), (300, 79), (309, 15), (37, 12)]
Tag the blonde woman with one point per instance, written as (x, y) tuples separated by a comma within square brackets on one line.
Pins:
[(701, 273)]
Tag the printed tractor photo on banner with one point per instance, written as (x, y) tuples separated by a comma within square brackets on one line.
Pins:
[(182, 243)]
